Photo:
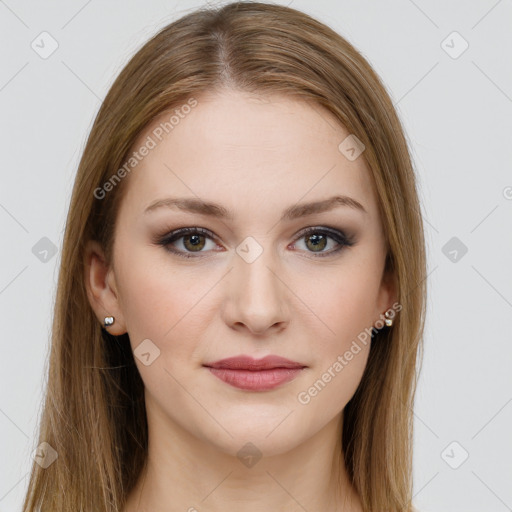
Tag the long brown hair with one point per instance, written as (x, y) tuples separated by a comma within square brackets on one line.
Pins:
[(94, 413)]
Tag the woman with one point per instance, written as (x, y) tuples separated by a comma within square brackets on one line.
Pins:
[(243, 233)]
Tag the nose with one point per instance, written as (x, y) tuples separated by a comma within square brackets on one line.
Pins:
[(256, 297)]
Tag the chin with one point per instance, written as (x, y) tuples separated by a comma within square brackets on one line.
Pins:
[(259, 437)]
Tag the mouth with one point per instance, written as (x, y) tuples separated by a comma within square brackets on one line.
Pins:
[(244, 372)]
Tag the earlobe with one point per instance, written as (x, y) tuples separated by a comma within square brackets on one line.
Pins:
[(388, 299), (101, 288)]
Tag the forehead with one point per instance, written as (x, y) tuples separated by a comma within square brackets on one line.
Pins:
[(245, 150)]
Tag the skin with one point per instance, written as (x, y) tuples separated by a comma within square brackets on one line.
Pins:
[(256, 156)]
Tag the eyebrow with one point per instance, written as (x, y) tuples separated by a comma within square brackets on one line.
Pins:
[(194, 205)]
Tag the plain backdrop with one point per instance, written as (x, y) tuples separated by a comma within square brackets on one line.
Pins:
[(448, 68)]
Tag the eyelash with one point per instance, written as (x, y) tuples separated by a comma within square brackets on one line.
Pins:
[(339, 237)]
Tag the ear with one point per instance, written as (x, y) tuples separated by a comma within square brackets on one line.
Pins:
[(387, 295), (101, 288)]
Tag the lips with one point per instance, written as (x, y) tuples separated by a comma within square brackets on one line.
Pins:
[(246, 373), (248, 363)]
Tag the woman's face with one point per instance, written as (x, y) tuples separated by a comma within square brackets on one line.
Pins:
[(268, 274)]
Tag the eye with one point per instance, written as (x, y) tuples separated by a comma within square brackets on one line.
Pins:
[(185, 242), (316, 240), (190, 239)]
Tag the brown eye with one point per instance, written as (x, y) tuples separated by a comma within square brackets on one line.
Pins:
[(316, 242), (187, 241), (194, 242)]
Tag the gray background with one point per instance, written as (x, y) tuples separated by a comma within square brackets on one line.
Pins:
[(457, 111)]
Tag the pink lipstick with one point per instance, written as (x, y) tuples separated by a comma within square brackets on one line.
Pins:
[(244, 372)]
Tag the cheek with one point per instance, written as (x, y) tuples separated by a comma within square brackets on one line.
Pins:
[(345, 302), (341, 355), (345, 305), (169, 306), (331, 387), (153, 299)]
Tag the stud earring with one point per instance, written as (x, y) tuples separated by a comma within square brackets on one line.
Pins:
[(108, 321), (388, 320)]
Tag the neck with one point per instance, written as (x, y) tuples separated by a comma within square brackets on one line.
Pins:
[(186, 473)]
